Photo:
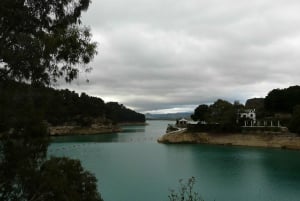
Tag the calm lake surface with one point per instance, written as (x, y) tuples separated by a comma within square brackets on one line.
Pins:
[(132, 166)]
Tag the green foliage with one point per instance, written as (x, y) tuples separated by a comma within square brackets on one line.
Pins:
[(201, 113), (220, 117), (43, 40), (40, 42), (185, 191), (59, 106), (258, 104), (222, 112), (33, 178), (294, 125), (283, 100), (119, 113), (22, 152), (63, 179)]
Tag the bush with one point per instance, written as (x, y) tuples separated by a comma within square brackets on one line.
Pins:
[(185, 191)]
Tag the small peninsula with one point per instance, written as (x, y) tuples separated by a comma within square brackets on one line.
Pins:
[(273, 121), (287, 141)]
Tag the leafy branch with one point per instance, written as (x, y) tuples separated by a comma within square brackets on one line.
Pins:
[(185, 191)]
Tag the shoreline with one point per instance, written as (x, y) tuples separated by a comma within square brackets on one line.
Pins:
[(93, 130), (74, 130), (282, 141)]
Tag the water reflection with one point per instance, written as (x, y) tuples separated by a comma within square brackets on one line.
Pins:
[(133, 129), (85, 138)]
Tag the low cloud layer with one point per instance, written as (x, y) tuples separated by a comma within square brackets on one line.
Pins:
[(164, 54)]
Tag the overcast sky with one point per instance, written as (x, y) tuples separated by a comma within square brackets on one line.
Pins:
[(174, 55)]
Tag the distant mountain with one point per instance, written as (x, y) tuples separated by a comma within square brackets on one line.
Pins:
[(168, 116)]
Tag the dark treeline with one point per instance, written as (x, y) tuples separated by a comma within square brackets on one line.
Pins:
[(41, 42), (279, 104), (287, 103), (59, 106), (283, 100)]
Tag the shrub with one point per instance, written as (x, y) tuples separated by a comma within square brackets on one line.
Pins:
[(185, 191)]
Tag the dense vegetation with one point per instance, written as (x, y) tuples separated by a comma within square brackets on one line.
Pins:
[(283, 100), (185, 191), (285, 103), (218, 117), (43, 40), (259, 105), (40, 41), (58, 107), (279, 104)]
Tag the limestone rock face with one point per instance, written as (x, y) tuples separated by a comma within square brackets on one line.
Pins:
[(285, 141), (97, 126)]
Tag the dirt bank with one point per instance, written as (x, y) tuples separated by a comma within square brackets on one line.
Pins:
[(75, 130), (284, 141)]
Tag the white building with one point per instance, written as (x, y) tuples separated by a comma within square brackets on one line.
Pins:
[(182, 122), (247, 114)]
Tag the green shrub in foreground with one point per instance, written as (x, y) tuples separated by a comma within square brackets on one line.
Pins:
[(185, 191)]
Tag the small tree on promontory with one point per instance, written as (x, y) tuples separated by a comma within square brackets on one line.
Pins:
[(201, 113)]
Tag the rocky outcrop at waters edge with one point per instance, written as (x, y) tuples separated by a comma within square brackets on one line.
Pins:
[(96, 128), (284, 141), (77, 130)]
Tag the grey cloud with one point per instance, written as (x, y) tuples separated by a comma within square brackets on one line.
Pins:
[(169, 54)]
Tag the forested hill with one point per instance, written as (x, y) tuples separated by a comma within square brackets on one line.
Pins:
[(59, 106)]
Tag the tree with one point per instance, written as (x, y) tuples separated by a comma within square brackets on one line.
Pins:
[(201, 113), (257, 104), (283, 100), (23, 149), (185, 191), (63, 179), (221, 117), (274, 101), (43, 40), (119, 113), (222, 112), (40, 42), (294, 125), (237, 105)]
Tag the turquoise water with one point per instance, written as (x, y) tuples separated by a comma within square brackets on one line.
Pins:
[(131, 166)]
